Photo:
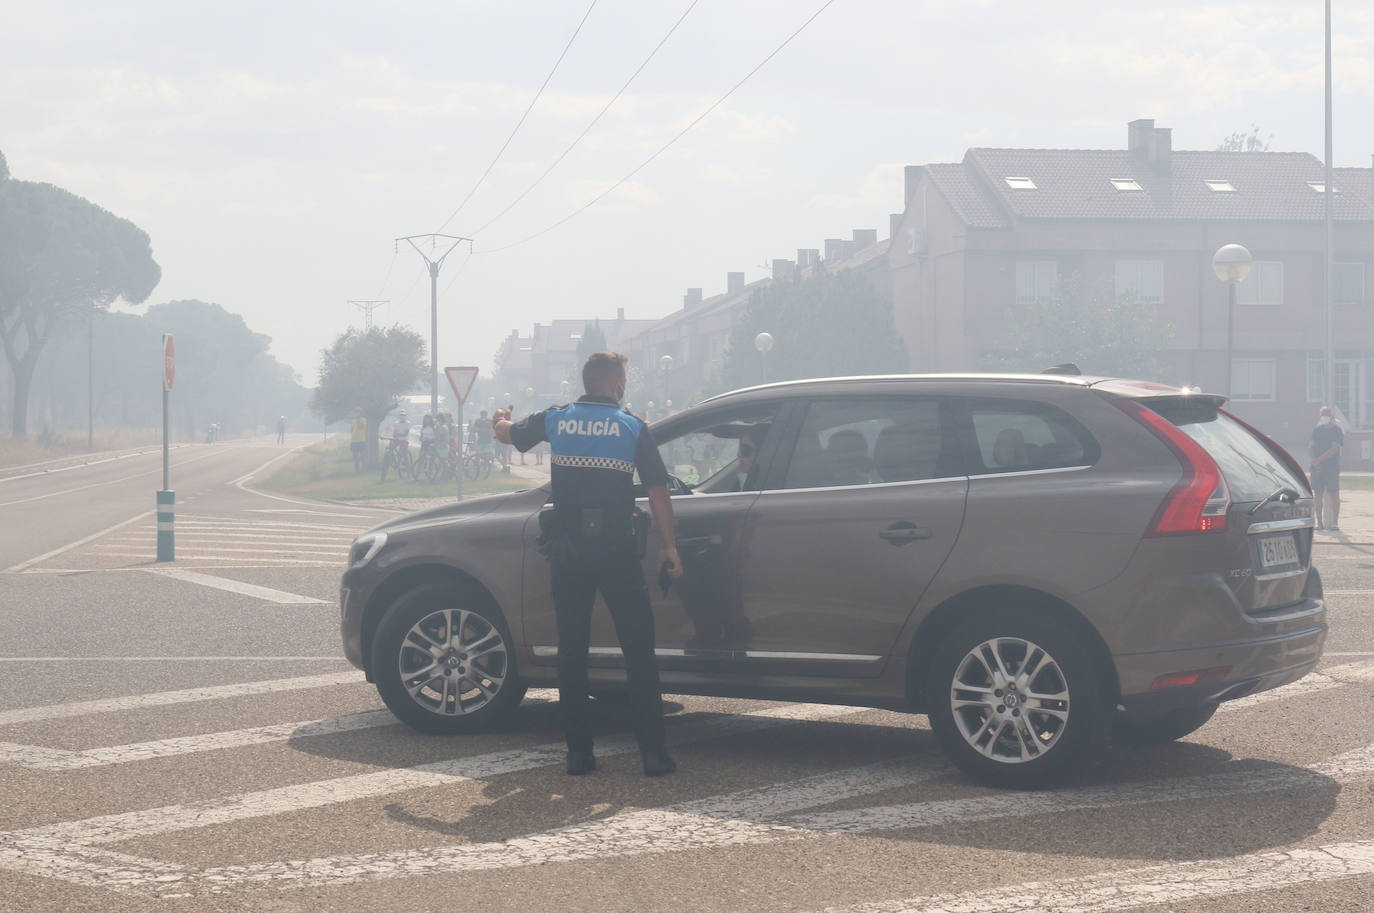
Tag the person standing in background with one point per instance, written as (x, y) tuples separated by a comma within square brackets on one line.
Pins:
[(1325, 449), (358, 440)]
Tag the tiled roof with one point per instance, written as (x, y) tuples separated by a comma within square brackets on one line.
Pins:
[(1076, 184), (969, 200), (1358, 181)]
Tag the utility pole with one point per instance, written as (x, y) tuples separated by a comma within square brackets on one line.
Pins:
[(1328, 253), (434, 260), (367, 308)]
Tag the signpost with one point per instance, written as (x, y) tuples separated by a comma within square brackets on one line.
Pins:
[(166, 498), (461, 379)]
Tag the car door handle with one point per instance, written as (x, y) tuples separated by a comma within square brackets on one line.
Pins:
[(699, 541), (899, 533)]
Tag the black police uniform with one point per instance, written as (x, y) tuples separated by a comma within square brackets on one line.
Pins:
[(596, 448)]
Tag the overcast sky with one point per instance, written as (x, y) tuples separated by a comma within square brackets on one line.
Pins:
[(273, 150)]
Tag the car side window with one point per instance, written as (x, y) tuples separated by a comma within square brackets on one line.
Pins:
[(719, 452), (846, 442), (1013, 436)]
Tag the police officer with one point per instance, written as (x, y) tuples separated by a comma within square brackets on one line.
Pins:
[(589, 539)]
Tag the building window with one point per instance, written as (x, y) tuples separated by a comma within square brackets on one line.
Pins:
[(1141, 279), (1020, 183), (1264, 285), (1125, 184), (1035, 281), (1316, 379), (1220, 186), (1347, 284), (1252, 379)]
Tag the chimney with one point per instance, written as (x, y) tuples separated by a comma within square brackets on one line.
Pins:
[(734, 283), (865, 238), (619, 315), (1138, 133), (912, 176), (1162, 146), (782, 269), (894, 224), (807, 256), (691, 299)]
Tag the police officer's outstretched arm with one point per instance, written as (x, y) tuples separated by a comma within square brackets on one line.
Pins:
[(654, 475)]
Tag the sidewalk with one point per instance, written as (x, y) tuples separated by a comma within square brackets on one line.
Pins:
[(1356, 521)]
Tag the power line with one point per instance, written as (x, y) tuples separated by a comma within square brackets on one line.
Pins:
[(520, 123), (664, 148), (554, 164)]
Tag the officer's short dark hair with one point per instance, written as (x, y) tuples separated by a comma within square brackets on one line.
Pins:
[(602, 368)]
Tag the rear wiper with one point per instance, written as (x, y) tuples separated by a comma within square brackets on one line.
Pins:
[(1282, 493)]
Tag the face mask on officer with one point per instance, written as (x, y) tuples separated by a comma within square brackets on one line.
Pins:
[(1325, 419)]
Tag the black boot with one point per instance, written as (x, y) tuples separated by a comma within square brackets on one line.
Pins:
[(657, 763), (581, 762)]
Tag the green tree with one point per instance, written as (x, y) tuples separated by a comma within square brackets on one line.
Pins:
[(1101, 333), (1240, 141), (369, 370), (593, 340), (826, 326), (61, 257)]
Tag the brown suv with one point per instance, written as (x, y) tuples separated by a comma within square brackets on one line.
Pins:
[(1035, 562)]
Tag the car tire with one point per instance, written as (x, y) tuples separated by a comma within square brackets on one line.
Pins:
[(444, 661), (1164, 727), (976, 703)]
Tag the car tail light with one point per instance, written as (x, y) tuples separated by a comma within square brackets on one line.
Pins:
[(1197, 677), (1198, 503), (1273, 446)]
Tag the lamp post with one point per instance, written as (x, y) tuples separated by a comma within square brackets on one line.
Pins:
[(665, 365), (764, 343), (1232, 264)]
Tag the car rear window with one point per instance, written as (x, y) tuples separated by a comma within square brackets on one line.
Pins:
[(1252, 471)]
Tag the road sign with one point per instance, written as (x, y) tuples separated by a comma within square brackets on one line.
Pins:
[(169, 369), (460, 379)]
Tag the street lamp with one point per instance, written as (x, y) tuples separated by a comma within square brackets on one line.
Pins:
[(665, 364), (1232, 264), (764, 343)]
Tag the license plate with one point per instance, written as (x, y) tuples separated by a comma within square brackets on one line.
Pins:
[(1278, 550)]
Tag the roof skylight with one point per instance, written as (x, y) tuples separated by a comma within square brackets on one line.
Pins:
[(1220, 186), (1125, 184), (1320, 187), (1020, 183)]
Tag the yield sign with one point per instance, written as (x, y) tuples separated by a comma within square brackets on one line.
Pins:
[(169, 368), (460, 379)]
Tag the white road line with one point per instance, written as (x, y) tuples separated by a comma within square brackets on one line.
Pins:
[(151, 470), (41, 758), (267, 550), (1177, 884), (165, 698), (758, 816), (298, 797), (280, 597), (747, 817), (169, 659), (1326, 679), (79, 542), (1349, 593), (232, 561)]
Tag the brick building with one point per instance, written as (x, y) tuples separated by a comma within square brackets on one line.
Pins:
[(1002, 227)]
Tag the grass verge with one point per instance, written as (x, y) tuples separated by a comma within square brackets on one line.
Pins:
[(54, 445), (325, 471)]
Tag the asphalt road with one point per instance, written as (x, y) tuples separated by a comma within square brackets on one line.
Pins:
[(190, 740)]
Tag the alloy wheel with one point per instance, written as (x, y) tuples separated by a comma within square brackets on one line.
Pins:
[(453, 662), (1010, 700)]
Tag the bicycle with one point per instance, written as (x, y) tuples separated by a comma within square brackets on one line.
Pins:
[(398, 457), (478, 462)]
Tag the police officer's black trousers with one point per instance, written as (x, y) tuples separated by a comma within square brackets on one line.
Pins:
[(616, 572)]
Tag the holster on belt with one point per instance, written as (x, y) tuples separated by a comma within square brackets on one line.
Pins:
[(555, 542)]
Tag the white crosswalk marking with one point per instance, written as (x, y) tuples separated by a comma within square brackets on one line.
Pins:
[(165, 698), (1174, 884), (817, 807)]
